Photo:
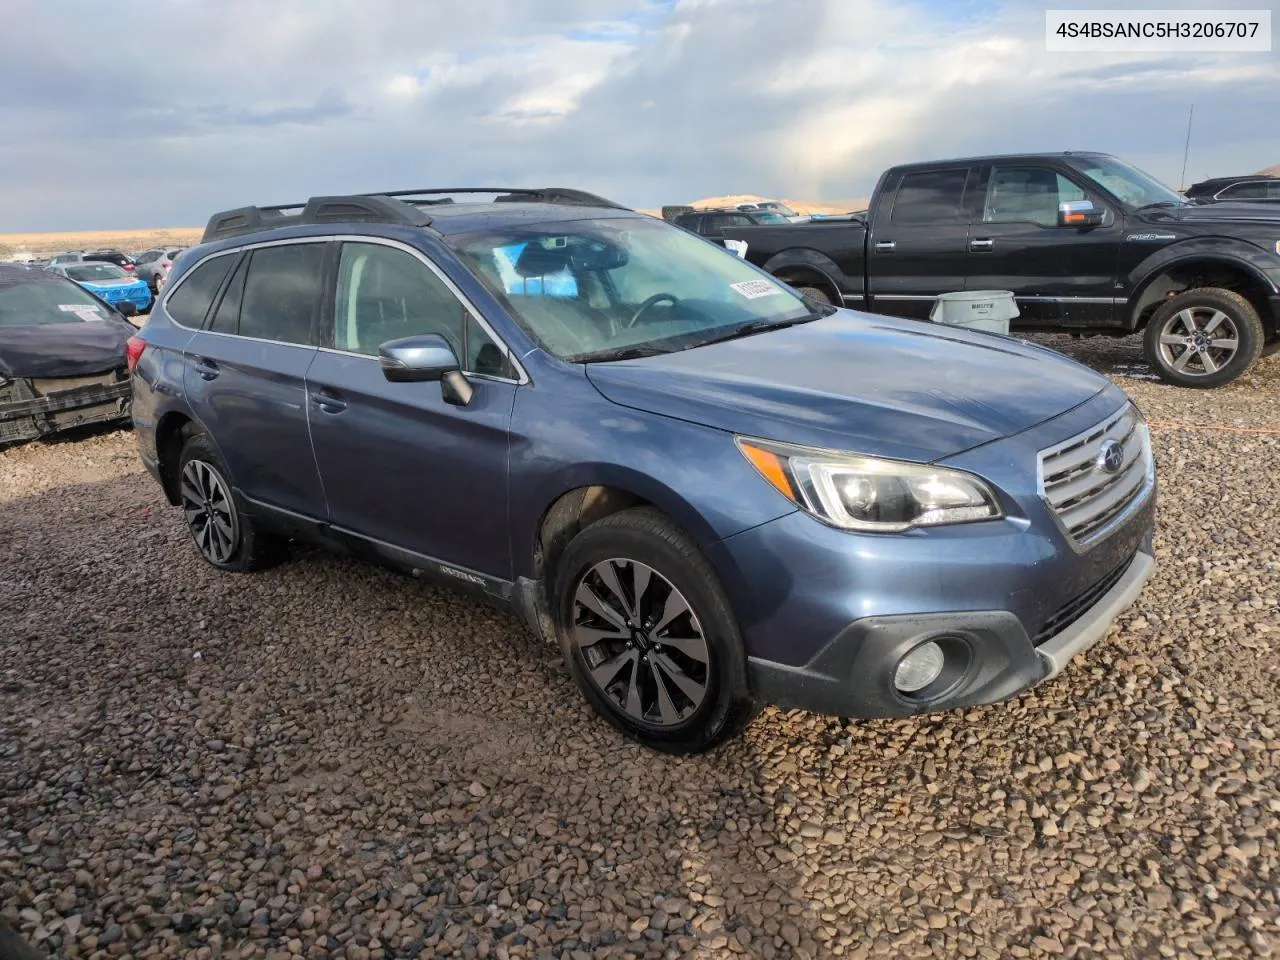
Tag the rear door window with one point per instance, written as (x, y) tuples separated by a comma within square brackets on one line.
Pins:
[(930, 196), (189, 302), (281, 292)]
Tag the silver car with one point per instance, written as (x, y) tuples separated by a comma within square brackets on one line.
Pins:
[(154, 265)]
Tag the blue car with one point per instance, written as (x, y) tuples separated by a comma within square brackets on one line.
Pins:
[(107, 281), (709, 491)]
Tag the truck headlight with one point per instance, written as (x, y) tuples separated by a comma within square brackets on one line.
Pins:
[(867, 493)]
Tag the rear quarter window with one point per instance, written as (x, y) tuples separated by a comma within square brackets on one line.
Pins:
[(189, 302)]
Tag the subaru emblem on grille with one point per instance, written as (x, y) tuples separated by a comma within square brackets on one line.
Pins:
[(1110, 456)]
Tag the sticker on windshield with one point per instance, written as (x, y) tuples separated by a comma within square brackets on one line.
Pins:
[(755, 289)]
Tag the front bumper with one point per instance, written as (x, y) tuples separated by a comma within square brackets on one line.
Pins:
[(30, 409), (853, 675), (826, 614)]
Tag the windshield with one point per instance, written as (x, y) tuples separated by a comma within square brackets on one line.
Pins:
[(591, 289), (1128, 183), (40, 302), (90, 272)]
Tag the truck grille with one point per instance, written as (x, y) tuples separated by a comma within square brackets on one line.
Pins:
[(1089, 495), (1079, 605)]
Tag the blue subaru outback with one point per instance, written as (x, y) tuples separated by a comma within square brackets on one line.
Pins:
[(711, 492)]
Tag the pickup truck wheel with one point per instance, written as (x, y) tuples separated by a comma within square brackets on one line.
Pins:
[(814, 293), (1204, 338), (648, 633), (225, 536)]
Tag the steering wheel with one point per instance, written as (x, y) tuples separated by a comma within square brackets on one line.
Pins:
[(649, 302)]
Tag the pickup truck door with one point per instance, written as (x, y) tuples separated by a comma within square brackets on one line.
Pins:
[(1061, 275), (917, 245)]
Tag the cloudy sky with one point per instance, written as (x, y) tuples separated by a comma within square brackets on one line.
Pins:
[(140, 113)]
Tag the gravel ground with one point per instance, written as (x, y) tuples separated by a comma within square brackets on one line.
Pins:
[(328, 759)]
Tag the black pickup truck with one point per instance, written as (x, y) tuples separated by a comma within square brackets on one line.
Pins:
[(1087, 243)]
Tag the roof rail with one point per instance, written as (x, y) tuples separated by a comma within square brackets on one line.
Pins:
[(386, 206), (509, 195), (369, 208)]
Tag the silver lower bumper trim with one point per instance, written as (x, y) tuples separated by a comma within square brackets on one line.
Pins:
[(1093, 626)]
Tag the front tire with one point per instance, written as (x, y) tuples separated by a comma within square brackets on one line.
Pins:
[(648, 633), (1204, 338), (226, 537)]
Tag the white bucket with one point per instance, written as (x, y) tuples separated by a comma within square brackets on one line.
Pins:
[(989, 310)]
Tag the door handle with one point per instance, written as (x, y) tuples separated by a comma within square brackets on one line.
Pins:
[(328, 401), (984, 244), (207, 369), (885, 245)]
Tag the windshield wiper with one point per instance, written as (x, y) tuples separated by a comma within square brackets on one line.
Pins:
[(1162, 203), (751, 328), (617, 353)]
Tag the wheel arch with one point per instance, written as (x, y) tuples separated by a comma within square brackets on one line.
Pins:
[(805, 267), (172, 432), (1194, 269), (586, 499)]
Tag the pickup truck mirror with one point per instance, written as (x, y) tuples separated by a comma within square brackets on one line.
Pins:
[(1079, 213)]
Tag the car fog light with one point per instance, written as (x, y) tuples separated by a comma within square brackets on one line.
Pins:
[(919, 668)]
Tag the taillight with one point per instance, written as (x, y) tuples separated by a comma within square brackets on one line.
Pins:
[(166, 264), (133, 351)]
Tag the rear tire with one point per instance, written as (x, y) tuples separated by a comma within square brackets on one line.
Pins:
[(667, 668), (1204, 338), (226, 537), (815, 293)]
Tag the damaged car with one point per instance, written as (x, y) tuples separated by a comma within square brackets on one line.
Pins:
[(62, 356)]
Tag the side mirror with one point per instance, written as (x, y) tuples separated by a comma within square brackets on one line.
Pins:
[(424, 358), (1079, 213), (126, 309)]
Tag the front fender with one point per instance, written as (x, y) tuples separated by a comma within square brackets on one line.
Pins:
[(1261, 265), (573, 437)]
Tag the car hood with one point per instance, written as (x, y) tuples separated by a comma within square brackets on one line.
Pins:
[(853, 381), (72, 349), (1225, 210)]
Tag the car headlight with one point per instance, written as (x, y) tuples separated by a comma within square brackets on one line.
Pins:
[(866, 493)]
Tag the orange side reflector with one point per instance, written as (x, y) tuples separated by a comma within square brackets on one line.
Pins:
[(770, 466)]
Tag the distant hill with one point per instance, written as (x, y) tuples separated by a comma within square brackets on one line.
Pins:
[(130, 241), (1271, 171), (799, 206)]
